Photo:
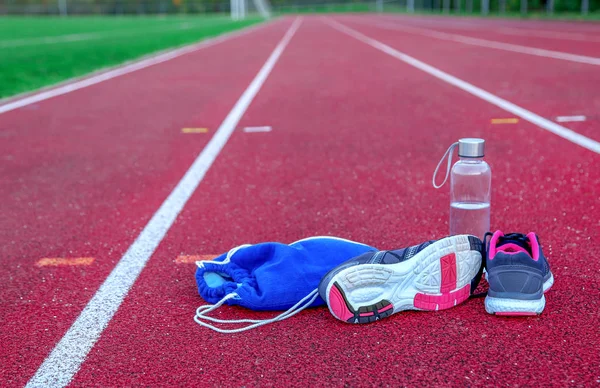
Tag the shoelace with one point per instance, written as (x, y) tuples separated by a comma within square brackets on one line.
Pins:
[(202, 311), (518, 237)]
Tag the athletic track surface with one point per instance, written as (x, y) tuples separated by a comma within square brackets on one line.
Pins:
[(361, 109)]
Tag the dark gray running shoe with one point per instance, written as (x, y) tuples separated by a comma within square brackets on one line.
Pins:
[(518, 275), (434, 275)]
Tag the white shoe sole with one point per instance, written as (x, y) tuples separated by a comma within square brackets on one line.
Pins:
[(437, 278), (518, 307)]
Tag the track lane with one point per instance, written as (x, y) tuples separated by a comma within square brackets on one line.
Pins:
[(580, 46), (79, 181), (351, 154), (548, 87), (561, 26)]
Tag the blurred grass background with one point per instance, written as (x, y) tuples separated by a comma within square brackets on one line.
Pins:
[(41, 51)]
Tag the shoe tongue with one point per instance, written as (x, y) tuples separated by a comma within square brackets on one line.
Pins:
[(511, 244)]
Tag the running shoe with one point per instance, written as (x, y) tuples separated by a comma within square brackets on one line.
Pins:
[(518, 274), (434, 275)]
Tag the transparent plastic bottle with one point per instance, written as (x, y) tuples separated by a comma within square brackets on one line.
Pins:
[(470, 190)]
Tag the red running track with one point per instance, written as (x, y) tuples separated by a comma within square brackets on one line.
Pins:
[(558, 27), (84, 172), (549, 87), (573, 38), (356, 136)]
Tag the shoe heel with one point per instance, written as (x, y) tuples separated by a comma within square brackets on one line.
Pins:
[(342, 310)]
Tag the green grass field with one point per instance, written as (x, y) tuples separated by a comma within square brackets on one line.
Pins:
[(41, 51)]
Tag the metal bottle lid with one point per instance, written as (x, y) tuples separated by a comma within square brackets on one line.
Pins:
[(471, 147)]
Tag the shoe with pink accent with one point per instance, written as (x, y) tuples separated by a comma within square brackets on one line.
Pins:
[(518, 274), (435, 275)]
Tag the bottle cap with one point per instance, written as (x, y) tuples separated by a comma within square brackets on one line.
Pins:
[(471, 147)]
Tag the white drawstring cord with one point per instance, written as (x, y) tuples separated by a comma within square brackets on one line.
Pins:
[(449, 150), (227, 258), (295, 309)]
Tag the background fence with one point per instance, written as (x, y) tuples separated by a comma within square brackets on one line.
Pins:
[(126, 7)]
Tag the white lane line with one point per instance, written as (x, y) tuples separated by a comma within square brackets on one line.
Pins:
[(122, 69), (265, 128), (528, 25), (489, 43), (487, 27), (568, 119), (66, 358), (548, 34), (523, 113), (48, 39)]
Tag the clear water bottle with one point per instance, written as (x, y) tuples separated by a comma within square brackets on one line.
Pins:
[(470, 188)]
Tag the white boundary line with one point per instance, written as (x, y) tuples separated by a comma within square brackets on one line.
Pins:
[(547, 34), (487, 43), (76, 84), (568, 119), (523, 113), (264, 128), (498, 28), (66, 358), (480, 23)]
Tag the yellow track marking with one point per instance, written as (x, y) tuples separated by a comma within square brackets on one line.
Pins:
[(512, 120), (194, 130), (63, 261), (188, 259)]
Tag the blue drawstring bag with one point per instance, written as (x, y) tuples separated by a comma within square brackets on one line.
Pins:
[(270, 276)]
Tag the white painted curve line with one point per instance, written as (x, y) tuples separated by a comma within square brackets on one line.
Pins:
[(98, 35), (122, 70), (548, 34), (516, 31), (66, 358), (523, 113), (568, 119), (492, 44), (48, 40), (265, 128)]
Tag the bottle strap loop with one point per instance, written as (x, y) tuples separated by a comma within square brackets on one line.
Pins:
[(448, 151)]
